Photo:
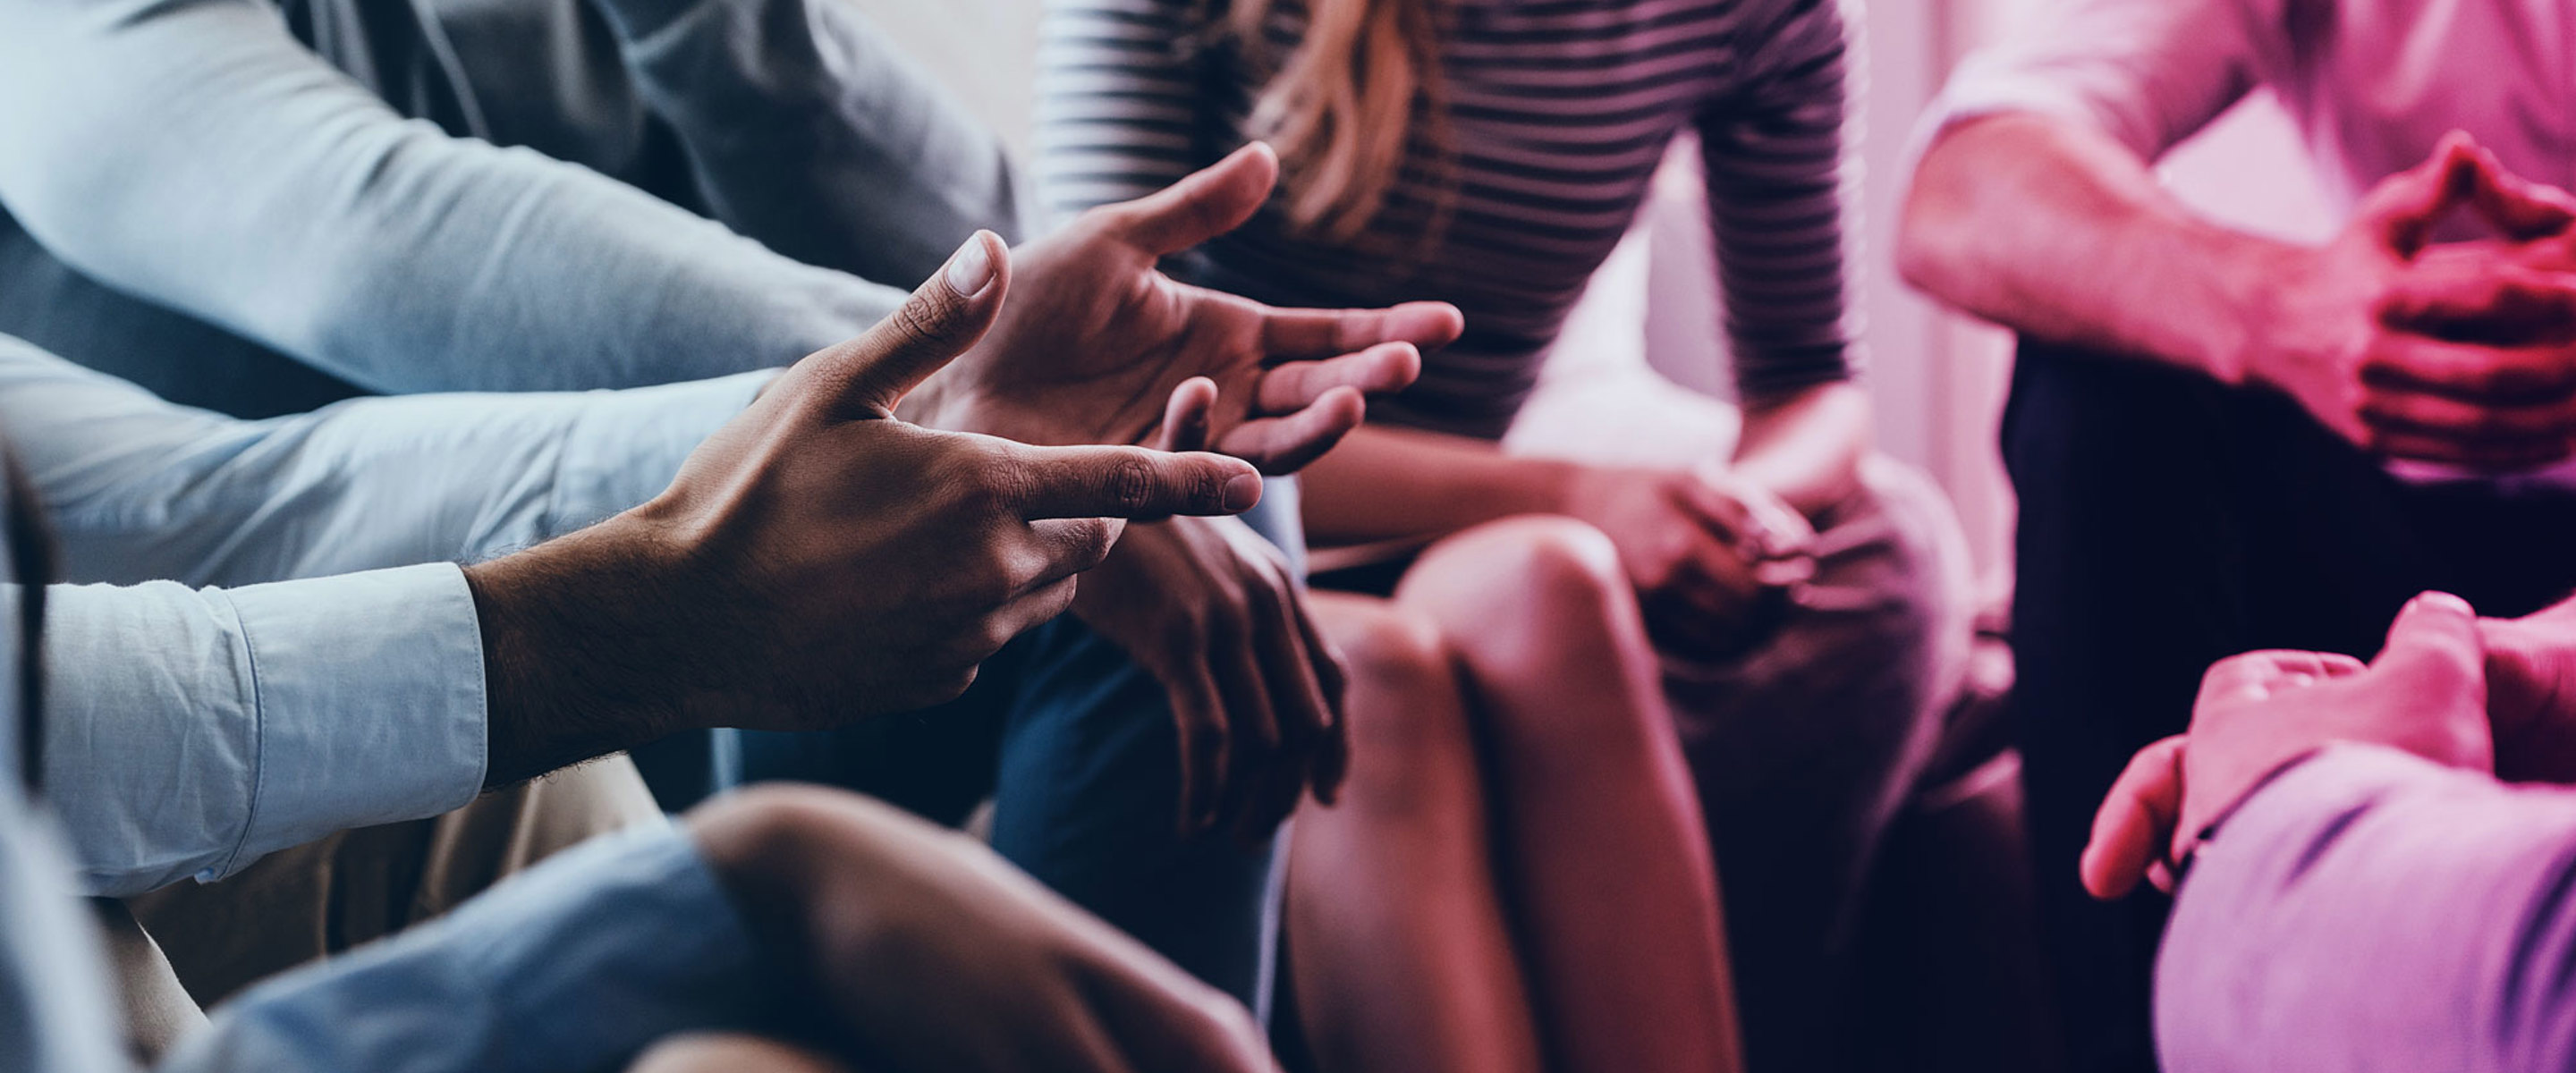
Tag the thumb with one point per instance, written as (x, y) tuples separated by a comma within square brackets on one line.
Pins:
[(947, 314), (1209, 202), (1129, 482), (2402, 209), (2519, 208), (2435, 636)]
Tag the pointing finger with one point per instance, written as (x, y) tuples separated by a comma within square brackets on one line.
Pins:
[(1129, 482)]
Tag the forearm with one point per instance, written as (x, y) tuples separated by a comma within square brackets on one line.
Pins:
[(1387, 483), (1806, 448), (143, 490), (586, 649), (2367, 909), (2062, 233)]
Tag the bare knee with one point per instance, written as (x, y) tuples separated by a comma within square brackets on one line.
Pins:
[(1405, 705), (1530, 575), (730, 1054)]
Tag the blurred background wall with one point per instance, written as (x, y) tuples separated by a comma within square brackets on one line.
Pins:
[(1938, 377)]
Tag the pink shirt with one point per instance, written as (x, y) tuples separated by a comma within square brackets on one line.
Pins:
[(2372, 83)]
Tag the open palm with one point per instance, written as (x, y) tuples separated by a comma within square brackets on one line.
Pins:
[(1098, 346)]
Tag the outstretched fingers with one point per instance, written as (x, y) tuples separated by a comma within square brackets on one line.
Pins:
[(1317, 333), (1278, 445)]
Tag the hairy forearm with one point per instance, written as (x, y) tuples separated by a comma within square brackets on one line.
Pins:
[(1806, 448), (2059, 232), (1388, 484), (583, 651)]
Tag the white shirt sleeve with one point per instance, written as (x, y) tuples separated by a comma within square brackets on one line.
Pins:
[(140, 489), (194, 153), (191, 731), (2149, 73)]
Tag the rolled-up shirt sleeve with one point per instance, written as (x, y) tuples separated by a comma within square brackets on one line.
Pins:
[(576, 965), (143, 490), (191, 152), (191, 731), (2149, 73), (2368, 910)]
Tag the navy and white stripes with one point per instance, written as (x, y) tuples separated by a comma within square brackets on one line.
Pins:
[(1559, 112)]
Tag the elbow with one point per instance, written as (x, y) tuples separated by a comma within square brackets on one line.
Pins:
[(1930, 228)]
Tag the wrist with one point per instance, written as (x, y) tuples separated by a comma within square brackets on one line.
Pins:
[(2266, 292), (571, 668)]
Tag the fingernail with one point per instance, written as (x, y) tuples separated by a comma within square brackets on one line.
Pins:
[(2444, 601), (970, 270), (1242, 492)]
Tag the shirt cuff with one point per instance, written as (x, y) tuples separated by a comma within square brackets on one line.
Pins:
[(368, 700), (625, 446)]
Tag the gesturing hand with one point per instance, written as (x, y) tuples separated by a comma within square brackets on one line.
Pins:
[(1207, 607), (1702, 547), (1097, 339), (818, 559), (2463, 355), (921, 949), (2425, 693)]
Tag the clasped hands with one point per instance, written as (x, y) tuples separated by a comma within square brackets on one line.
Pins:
[(2460, 353), (2485, 694)]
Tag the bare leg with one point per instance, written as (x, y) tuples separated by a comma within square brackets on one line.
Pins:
[(1600, 835), (1402, 960), (730, 1054)]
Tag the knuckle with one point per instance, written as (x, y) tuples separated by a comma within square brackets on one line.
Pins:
[(1090, 541), (921, 319), (1130, 484)]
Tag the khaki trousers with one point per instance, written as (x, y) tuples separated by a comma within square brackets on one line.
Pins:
[(186, 947)]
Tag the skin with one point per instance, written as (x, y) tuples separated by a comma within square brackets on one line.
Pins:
[(1547, 635), (917, 948), (2257, 713), (1210, 615), (1538, 653), (817, 559), (941, 546), (2054, 230), (2527, 682)]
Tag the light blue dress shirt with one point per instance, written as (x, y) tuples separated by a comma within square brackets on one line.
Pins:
[(574, 965), (215, 174), (197, 726)]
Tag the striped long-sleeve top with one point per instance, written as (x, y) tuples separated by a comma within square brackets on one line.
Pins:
[(1557, 113)]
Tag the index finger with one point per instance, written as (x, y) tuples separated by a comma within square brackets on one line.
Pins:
[(1127, 482), (1292, 334)]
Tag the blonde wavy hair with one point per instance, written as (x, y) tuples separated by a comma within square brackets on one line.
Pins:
[(1353, 105)]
